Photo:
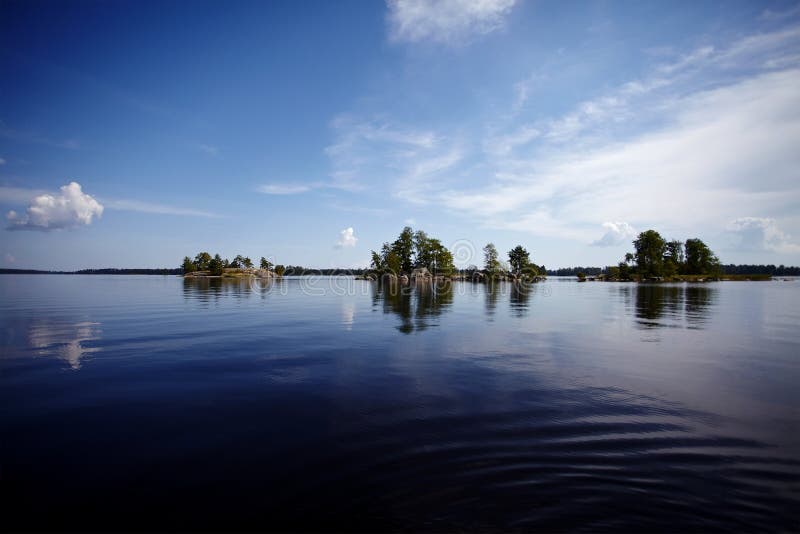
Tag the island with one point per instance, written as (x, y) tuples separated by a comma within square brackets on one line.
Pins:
[(205, 266)]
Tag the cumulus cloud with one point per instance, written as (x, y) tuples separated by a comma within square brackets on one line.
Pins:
[(67, 209), (445, 21), (346, 238), (761, 233), (616, 233), (283, 189)]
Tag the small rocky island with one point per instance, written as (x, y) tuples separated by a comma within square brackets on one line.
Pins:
[(205, 266), (417, 257)]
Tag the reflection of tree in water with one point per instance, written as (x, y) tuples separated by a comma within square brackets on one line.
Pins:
[(491, 293), (698, 303), (520, 295), (415, 304), (659, 306), (206, 290)]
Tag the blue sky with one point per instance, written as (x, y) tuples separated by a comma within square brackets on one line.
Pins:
[(134, 133)]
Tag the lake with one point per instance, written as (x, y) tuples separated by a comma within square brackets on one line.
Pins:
[(333, 404)]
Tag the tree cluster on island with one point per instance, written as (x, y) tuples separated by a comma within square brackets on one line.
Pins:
[(215, 265), (519, 266), (417, 252), (413, 250), (655, 258)]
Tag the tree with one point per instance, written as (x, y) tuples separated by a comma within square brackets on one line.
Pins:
[(673, 258), (650, 247), (248, 263), (519, 258), (265, 264), (423, 250), (441, 258), (188, 265), (239, 261), (377, 261), (202, 260), (215, 265), (491, 263), (404, 248), (393, 262), (279, 270), (700, 259)]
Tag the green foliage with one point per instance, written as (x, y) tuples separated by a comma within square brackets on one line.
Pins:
[(413, 249), (700, 259), (265, 264), (404, 248), (491, 264), (215, 266), (279, 270), (650, 248), (202, 260), (188, 265), (423, 250), (623, 271), (519, 258), (393, 262), (581, 275), (656, 257)]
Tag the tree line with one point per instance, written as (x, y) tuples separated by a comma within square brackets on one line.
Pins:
[(730, 268)]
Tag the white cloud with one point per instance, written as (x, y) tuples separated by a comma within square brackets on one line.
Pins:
[(346, 238), (723, 152), (445, 21), (664, 151), (761, 233), (409, 157), (616, 233), (503, 145), (283, 189), (69, 208)]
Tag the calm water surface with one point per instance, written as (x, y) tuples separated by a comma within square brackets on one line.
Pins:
[(154, 402)]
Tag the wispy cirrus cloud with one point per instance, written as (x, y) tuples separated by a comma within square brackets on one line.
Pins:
[(156, 208), (706, 135), (35, 138), (283, 189), (445, 21), (410, 158), (211, 150)]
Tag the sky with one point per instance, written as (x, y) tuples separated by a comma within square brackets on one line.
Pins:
[(135, 133)]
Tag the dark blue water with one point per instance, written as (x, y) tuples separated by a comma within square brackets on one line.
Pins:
[(152, 402)]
